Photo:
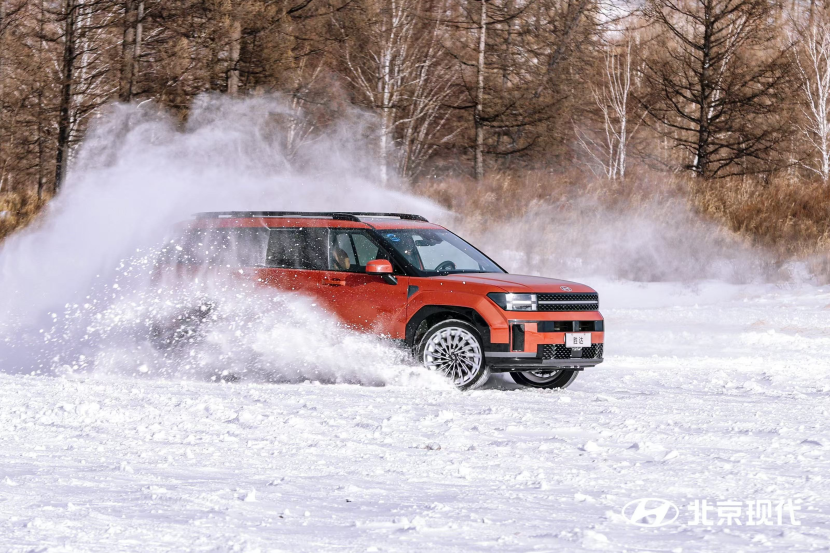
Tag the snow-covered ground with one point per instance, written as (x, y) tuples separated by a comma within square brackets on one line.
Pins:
[(709, 392)]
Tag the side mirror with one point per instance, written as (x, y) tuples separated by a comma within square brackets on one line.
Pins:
[(382, 268)]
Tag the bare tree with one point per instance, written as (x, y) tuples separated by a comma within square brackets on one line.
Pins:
[(613, 102), (392, 58), (68, 62), (131, 48), (812, 59), (519, 62), (716, 79), (478, 110), (10, 12)]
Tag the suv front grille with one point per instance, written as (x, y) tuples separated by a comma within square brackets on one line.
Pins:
[(568, 302), (570, 326), (559, 351)]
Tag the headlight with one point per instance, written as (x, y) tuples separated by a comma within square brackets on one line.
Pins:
[(515, 302)]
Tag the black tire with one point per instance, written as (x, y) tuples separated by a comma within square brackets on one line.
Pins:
[(538, 379), (186, 329), (454, 347)]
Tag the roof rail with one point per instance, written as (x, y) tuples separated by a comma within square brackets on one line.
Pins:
[(405, 216), (340, 215)]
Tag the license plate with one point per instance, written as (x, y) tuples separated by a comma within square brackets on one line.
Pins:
[(580, 340)]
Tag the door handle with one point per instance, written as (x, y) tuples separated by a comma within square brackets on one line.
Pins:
[(334, 281)]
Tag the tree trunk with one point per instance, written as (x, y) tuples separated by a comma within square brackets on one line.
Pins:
[(233, 57), (702, 152), (385, 84), (125, 93), (139, 31), (2, 48), (41, 111), (2, 80), (479, 126), (67, 74)]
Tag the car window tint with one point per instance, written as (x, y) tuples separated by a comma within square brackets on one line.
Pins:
[(341, 253), (297, 248), (366, 249), (433, 254), (233, 247), (351, 250), (437, 251)]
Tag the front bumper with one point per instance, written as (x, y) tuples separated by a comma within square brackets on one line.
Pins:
[(512, 364), (538, 343)]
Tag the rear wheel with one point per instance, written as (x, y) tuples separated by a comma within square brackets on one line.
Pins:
[(454, 348), (545, 379), (186, 329)]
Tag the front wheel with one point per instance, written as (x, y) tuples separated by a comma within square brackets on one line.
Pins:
[(545, 379), (454, 348)]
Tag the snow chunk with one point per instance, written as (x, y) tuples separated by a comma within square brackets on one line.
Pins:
[(673, 454), (595, 541)]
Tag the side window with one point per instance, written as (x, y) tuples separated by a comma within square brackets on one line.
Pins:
[(366, 249), (234, 247), (297, 248), (249, 246), (342, 252), (351, 250)]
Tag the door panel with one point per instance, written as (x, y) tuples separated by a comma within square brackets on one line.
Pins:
[(291, 280), (366, 302), (295, 259)]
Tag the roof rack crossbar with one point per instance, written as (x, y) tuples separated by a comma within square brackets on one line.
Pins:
[(338, 215), (405, 216)]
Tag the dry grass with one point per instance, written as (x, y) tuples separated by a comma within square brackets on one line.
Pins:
[(17, 210), (785, 217), (788, 216), (504, 197)]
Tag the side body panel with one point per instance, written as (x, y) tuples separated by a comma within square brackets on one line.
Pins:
[(366, 302), (289, 280), (438, 291)]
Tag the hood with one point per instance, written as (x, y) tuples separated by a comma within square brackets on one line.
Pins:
[(519, 283)]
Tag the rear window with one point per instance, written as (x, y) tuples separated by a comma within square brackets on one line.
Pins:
[(297, 248), (291, 248), (245, 247)]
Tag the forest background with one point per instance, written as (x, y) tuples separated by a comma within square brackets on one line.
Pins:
[(490, 107)]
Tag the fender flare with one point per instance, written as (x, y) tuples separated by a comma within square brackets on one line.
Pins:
[(443, 312)]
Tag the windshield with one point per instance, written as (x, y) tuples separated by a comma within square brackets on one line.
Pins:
[(434, 252)]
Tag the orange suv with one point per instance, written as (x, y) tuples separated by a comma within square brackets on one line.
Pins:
[(414, 282)]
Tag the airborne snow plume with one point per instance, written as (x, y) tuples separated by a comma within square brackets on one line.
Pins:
[(219, 328), (138, 173), (656, 241)]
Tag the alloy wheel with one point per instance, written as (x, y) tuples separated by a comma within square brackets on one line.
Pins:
[(454, 352)]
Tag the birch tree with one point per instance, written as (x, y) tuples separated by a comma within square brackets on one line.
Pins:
[(392, 58), (609, 151), (812, 59)]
